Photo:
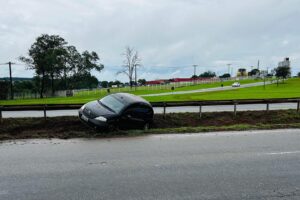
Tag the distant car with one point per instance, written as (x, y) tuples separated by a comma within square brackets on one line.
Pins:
[(120, 110), (236, 84)]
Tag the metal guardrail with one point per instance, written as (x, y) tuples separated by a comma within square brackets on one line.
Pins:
[(163, 105)]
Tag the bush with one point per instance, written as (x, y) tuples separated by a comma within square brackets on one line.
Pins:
[(4, 88)]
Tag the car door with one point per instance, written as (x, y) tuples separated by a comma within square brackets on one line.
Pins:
[(135, 116)]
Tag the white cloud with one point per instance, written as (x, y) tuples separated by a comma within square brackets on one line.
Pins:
[(210, 33)]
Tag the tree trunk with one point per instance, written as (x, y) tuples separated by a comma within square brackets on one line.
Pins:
[(52, 85), (42, 86), (65, 77), (130, 82)]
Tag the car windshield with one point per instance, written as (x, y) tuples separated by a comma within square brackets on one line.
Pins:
[(112, 103)]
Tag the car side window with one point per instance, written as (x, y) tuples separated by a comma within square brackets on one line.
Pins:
[(139, 112)]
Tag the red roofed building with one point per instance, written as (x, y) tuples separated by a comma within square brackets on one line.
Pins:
[(156, 82)]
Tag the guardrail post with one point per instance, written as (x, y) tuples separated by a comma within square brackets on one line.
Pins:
[(268, 106), (298, 106), (200, 111), (1, 114), (45, 112), (234, 108), (164, 109)]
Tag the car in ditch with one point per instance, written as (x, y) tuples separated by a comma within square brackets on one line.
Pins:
[(119, 110)]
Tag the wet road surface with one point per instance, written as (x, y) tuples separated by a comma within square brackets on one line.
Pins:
[(232, 165)]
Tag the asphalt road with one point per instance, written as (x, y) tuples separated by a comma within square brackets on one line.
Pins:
[(240, 165), (209, 89), (281, 106)]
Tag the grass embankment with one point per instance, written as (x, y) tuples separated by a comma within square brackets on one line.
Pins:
[(288, 89), (86, 96), (71, 127)]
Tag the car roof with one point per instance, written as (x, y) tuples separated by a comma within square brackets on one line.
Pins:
[(128, 99)]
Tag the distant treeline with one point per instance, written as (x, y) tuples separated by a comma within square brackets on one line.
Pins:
[(15, 79)]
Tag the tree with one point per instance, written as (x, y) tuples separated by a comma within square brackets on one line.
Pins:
[(299, 74), (45, 57), (104, 84), (53, 60), (226, 75), (283, 72), (254, 72), (118, 83), (208, 74), (130, 64), (4, 89), (142, 81)]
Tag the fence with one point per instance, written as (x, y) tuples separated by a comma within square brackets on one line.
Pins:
[(163, 105)]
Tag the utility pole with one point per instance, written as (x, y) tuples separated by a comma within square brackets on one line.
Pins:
[(195, 67), (229, 64), (11, 83), (10, 78)]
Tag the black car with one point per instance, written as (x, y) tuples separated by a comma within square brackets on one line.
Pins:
[(119, 110)]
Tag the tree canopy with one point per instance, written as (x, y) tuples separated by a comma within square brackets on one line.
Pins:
[(226, 75), (207, 74), (283, 72), (254, 72), (54, 62)]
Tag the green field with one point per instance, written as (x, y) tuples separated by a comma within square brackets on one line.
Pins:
[(290, 88), (162, 89)]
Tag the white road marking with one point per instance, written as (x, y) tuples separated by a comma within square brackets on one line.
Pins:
[(282, 153)]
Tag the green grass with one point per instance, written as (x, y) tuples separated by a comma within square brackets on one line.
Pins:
[(162, 89), (71, 127), (289, 89), (86, 96)]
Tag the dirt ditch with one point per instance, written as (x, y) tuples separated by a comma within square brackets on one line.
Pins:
[(71, 127)]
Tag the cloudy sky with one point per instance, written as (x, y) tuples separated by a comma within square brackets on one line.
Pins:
[(170, 35)]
